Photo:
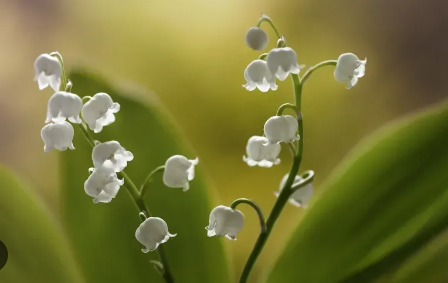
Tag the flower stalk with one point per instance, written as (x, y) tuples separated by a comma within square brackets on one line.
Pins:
[(317, 66), (285, 106), (255, 206), (148, 179), (282, 198), (129, 185), (286, 192)]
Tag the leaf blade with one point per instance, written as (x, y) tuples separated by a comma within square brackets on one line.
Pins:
[(37, 248), (368, 200)]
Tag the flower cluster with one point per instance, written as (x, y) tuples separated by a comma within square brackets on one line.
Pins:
[(282, 61), (109, 158)]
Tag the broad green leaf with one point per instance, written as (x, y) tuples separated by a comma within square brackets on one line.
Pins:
[(392, 187), (428, 266), (37, 249), (104, 234)]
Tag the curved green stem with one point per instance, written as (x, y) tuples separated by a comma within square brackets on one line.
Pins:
[(307, 178), (236, 202), (85, 98), (143, 187), (286, 106), (285, 193), (263, 56), (315, 67), (265, 18)]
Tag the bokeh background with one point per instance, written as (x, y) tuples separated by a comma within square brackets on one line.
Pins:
[(191, 54)]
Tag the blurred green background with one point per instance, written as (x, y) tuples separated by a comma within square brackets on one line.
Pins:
[(191, 54)]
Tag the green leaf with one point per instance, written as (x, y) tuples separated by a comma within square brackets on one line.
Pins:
[(428, 266), (37, 249), (104, 234), (392, 187)]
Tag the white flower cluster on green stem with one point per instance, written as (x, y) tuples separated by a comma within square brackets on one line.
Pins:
[(110, 158)]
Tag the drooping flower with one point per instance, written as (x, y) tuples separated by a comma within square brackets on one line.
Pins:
[(257, 75), (256, 38), (99, 111), (64, 105), (301, 196), (102, 187), (261, 153), (110, 157), (57, 135), (179, 171), (48, 71), (349, 68), (153, 232), (283, 61), (281, 129), (225, 221)]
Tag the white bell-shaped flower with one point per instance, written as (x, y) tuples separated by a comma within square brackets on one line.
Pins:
[(225, 221), (99, 111), (257, 75), (283, 61), (179, 171), (256, 38), (300, 197), (102, 187), (261, 153), (110, 157), (281, 129), (349, 68), (48, 72), (153, 232), (64, 105), (57, 135)]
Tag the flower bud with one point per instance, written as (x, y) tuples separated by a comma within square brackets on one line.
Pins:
[(153, 232), (225, 221), (178, 172), (48, 72), (102, 187), (57, 135), (283, 61), (110, 157), (260, 154), (64, 105), (99, 111), (256, 38), (281, 129), (257, 75), (349, 68), (301, 196)]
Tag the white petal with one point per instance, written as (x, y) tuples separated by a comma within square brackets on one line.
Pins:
[(250, 86), (249, 161), (211, 233), (43, 81), (281, 75), (265, 163), (48, 147), (360, 71), (115, 107), (55, 82), (264, 87), (352, 83), (102, 197), (186, 187)]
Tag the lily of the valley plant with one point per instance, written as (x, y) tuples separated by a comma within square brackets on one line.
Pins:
[(110, 158)]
